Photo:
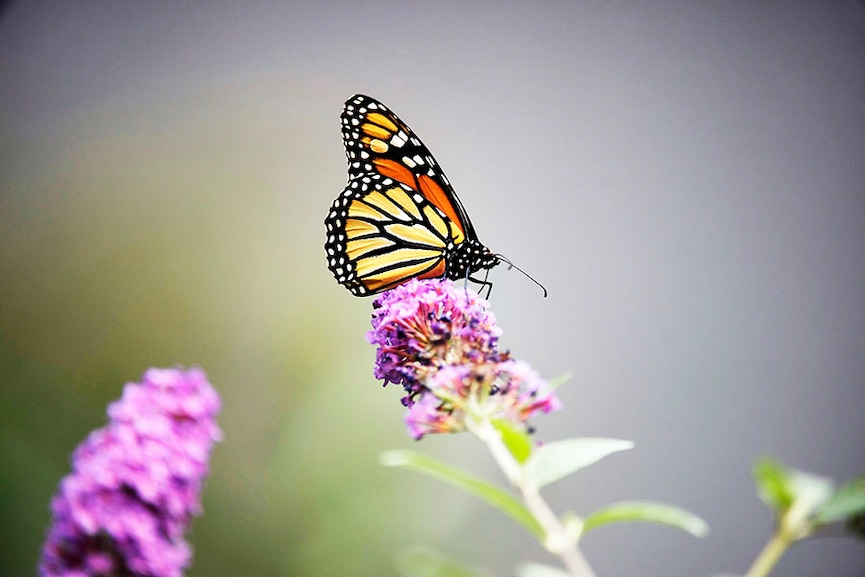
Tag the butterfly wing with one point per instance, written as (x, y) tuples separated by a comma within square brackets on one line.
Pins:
[(398, 218), (378, 142), (381, 233)]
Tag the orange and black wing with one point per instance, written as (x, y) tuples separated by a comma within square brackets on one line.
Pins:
[(378, 142), (398, 218), (381, 233)]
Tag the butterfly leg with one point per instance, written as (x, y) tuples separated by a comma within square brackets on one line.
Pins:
[(484, 284)]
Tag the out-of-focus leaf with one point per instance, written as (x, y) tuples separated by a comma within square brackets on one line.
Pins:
[(425, 562), (810, 493), (516, 439), (856, 525), (794, 495), (480, 488), (847, 502), (647, 511), (773, 484), (553, 461)]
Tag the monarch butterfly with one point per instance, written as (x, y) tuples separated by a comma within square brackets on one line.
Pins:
[(399, 217)]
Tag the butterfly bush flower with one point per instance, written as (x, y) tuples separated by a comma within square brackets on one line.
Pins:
[(423, 325), (135, 483), (441, 344)]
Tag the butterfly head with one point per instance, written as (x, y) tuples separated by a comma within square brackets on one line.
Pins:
[(469, 257)]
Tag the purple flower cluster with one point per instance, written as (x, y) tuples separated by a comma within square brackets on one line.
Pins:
[(424, 324), (136, 482), (441, 344)]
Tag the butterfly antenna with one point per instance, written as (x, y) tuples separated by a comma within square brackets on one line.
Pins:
[(527, 275)]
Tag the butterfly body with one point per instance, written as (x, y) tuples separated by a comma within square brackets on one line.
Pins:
[(398, 217)]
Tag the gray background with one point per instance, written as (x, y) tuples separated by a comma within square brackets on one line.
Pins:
[(687, 180)]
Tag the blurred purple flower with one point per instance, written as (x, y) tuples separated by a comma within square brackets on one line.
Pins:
[(136, 482), (441, 344)]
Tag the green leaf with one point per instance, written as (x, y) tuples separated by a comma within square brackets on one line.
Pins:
[(647, 511), (795, 495), (553, 461), (847, 502), (810, 493), (480, 488), (538, 570), (773, 484), (425, 562), (516, 439)]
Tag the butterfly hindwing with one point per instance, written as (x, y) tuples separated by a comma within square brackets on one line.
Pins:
[(382, 233)]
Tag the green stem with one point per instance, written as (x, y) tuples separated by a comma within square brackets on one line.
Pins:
[(769, 556), (556, 539)]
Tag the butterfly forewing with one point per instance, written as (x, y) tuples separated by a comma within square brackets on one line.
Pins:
[(378, 142)]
